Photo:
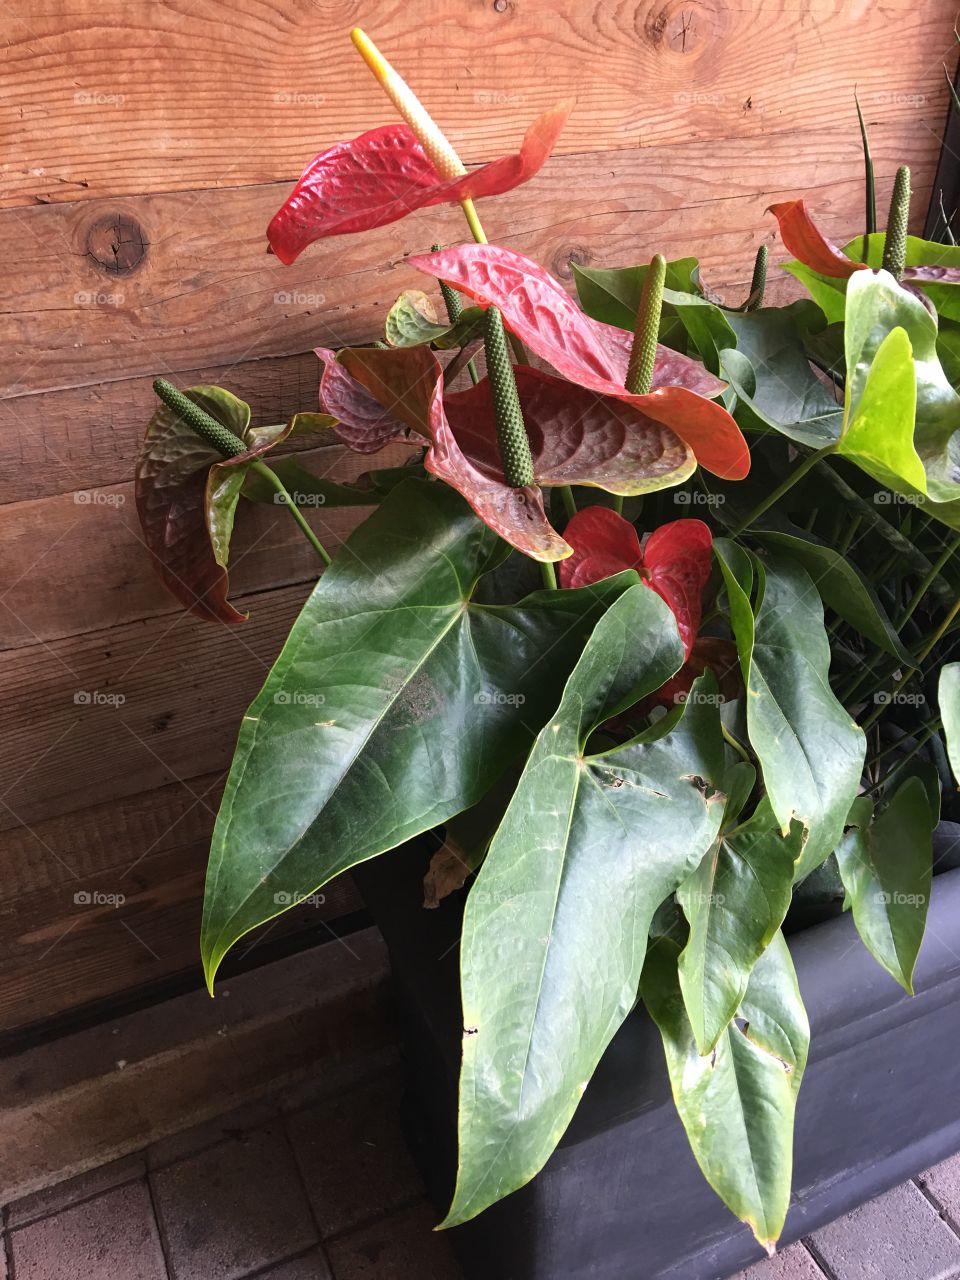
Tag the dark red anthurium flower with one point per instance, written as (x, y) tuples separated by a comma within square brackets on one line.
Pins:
[(385, 174), (594, 355), (675, 561)]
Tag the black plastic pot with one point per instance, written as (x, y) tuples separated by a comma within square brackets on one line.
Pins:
[(622, 1198)]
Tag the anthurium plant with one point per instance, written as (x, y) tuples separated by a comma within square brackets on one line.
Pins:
[(653, 628)]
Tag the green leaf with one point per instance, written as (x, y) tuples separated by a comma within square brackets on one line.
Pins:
[(810, 751), (774, 382), (843, 588), (308, 490), (555, 927), (735, 902), (737, 1104), (613, 296), (948, 696), (412, 322), (395, 703), (886, 867), (881, 397)]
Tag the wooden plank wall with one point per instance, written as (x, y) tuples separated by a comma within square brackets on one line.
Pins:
[(144, 148)]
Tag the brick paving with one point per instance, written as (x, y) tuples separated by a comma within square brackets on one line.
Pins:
[(306, 1187)]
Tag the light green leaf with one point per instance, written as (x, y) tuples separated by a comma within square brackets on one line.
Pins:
[(556, 924), (810, 751), (735, 902), (395, 703), (948, 696), (881, 391), (886, 867), (737, 1104), (412, 322)]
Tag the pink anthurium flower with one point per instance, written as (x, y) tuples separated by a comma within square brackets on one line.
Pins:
[(594, 355), (675, 561)]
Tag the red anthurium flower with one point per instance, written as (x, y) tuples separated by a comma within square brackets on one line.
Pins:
[(675, 561), (385, 174), (808, 244), (363, 422), (576, 437), (594, 355)]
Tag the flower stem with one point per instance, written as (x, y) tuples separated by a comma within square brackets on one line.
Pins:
[(569, 503), (272, 478), (925, 585), (806, 465), (549, 575), (921, 654)]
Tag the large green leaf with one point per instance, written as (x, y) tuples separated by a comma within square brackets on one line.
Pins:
[(948, 696), (735, 902), (613, 296), (395, 703), (556, 925), (810, 750), (737, 1104), (772, 377), (842, 587), (886, 866), (880, 398)]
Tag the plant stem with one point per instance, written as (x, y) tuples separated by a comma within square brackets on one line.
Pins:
[(569, 504), (737, 746), (272, 478), (809, 462), (924, 586), (549, 575), (921, 654), (618, 503)]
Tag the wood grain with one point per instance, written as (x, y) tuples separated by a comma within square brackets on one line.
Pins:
[(117, 712), (100, 100), (192, 302)]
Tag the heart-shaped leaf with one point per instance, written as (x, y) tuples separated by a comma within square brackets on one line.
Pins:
[(385, 174), (555, 927), (675, 561), (539, 311), (395, 703), (412, 322), (880, 398), (810, 750), (186, 503), (735, 902), (737, 1104), (576, 436), (886, 864)]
